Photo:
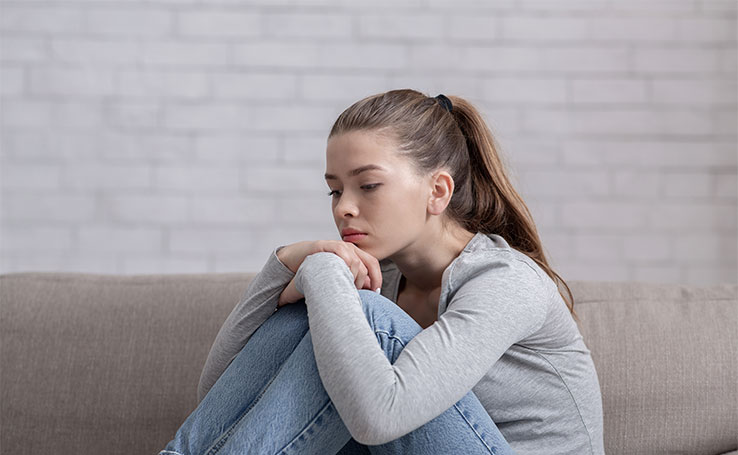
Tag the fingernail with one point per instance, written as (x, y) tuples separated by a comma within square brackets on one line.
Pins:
[(378, 290)]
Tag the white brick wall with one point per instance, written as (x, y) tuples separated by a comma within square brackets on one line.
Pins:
[(173, 136)]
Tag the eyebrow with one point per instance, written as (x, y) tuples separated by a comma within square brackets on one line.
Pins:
[(357, 171)]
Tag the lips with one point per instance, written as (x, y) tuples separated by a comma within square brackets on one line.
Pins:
[(350, 231), (353, 237)]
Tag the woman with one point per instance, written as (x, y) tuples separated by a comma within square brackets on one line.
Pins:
[(469, 348)]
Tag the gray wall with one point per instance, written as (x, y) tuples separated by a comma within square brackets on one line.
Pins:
[(189, 136)]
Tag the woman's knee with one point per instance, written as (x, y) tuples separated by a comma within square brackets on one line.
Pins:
[(384, 315)]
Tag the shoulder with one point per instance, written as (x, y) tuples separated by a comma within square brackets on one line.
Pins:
[(499, 274), (495, 260)]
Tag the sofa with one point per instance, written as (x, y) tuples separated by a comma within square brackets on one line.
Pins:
[(95, 363)]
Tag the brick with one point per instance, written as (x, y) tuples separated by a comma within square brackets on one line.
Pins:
[(646, 248), (276, 54), (533, 153), (96, 54), (173, 53), (477, 58), (41, 19), (657, 273), (474, 27), (152, 83), (694, 92), (34, 262), (467, 5), (608, 90), (232, 210), (308, 210), (661, 7), (605, 215), (230, 148), (305, 149), (254, 86), (195, 178), (24, 238), (725, 186), (119, 238), (145, 264), (22, 176), (146, 208), (725, 123), (593, 246), (24, 114), (654, 153), (23, 49), (338, 87), (595, 270), (132, 21), (683, 216), (12, 81), (687, 184), (48, 206), (90, 176), (524, 90), (636, 29), (707, 276), (654, 60), (707, 30), (590, 59), (267, 180), (638, 184), (552, 184), (545, 29), (132, 115), (204, 23), (413, 26), (621, 121), (205, 240), (306, 24), (705, 249), (223, 117)]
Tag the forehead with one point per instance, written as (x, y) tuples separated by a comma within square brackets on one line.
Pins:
[(349, 151)]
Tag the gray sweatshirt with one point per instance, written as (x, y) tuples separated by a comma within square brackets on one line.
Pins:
[(503, 331)]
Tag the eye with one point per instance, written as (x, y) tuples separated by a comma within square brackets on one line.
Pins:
[(365, 187)]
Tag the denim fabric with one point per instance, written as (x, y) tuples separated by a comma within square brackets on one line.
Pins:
[(270, 399)]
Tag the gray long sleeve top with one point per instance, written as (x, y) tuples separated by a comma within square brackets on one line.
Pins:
[(503, 331)]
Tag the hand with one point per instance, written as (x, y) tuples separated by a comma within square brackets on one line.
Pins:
[(289, 295), (363, 266)]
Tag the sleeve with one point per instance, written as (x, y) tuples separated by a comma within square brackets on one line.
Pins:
[(257, 304), (501, 302)]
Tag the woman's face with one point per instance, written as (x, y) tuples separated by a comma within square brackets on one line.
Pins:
[(387, 203)]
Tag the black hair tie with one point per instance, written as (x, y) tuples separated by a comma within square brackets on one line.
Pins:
[(445, 102)]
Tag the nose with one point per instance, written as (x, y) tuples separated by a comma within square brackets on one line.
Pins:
[(345, 207)]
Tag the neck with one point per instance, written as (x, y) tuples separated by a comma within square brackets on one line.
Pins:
[(423, 262)]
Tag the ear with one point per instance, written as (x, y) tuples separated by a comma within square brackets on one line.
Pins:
[(441, 190)]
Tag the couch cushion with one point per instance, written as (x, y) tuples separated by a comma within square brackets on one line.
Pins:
[(666, 359), (105, 363)]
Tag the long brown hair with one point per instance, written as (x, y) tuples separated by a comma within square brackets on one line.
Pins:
[(432, 138)]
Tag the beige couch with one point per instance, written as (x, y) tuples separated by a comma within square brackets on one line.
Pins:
[(110, 363)]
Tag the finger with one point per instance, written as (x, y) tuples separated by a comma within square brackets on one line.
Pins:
[(362, 276), (372, 264)]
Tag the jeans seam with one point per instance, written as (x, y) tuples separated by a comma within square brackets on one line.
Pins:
[(471, 426), (311, 423), (389, 335), (168, 451)]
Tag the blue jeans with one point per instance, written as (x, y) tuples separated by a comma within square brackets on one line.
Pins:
[(270, 399)]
